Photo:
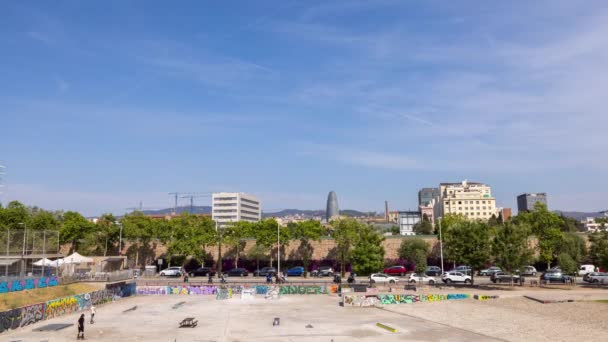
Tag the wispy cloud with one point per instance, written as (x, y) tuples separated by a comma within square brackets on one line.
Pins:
[(39, 36)]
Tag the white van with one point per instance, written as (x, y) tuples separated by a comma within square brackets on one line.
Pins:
[(586, 269)]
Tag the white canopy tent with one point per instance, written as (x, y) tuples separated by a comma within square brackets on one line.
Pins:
[(44, 262), (76, 259), (57, 263)]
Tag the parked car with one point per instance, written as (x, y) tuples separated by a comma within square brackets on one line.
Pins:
[(596, 278), (490, 271), (433, 271), (202, 272), (421, 278), (463, 269), (323, 271), (297, 271), (527, 271), (584, 269), (264, 271), (555, 277), (501, 277), (173, 271), (456, 277), (400, 270), (237, 272), (382, 278)]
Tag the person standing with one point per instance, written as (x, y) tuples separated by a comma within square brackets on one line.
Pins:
[(92, 314), (80, 328)]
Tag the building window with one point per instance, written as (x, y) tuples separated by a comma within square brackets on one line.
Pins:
[(483, 202), (477, 202), (459, 202), (477, 208), (459, 208)]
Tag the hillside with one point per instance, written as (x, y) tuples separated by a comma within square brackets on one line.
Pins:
[(282, 213)]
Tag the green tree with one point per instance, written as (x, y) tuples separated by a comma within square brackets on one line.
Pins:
[(305, 232), (469, 243), (140, 230), (368, 252), (424, 226), (394, 230), (265, 234), (14, 216), (569, 224), (511, 247), (546, 227), (345, 233), (257, 253), (190, 235), (567, 264), (44, 220), (234, 234), (598, 250), (415, 250), (573, 245), (74, 229)]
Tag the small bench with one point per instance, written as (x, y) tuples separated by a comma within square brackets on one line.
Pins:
[(410, 288), (188, 322)]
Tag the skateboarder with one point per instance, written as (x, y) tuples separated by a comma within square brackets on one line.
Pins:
[(92, 314), (80, 328)]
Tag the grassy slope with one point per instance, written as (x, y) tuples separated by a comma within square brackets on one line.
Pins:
[(13, 300)]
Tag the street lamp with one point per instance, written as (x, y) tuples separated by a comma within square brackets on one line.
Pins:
[(120, 240), (440, 243), (23, 251), (278, 249)]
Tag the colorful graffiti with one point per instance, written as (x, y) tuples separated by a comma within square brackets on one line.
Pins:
[(24, 316), (32, 314), (235, 290), (483, 297), (27, 284), (10, 319), (363, 301), (388, 299), (61, 306), (224, 293), (287, 289)]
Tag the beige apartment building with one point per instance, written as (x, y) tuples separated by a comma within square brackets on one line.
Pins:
[(473, 200)]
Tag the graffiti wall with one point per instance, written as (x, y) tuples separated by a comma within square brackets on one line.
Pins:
[(483, 297), (233, 290), (27, 284), (24, 316), (387, 299)]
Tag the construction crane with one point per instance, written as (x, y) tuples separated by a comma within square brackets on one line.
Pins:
[(192, 196)]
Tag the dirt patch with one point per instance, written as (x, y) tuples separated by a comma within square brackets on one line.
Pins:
[(12, 300)]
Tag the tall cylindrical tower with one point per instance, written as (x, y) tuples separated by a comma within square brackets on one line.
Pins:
[(332, 206)]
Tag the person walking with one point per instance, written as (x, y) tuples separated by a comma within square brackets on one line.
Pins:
[(80, 328), (92, 314)]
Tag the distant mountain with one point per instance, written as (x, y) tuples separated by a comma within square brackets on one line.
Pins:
[(313, 213), (168, 211), (580, 215), (282, 213)]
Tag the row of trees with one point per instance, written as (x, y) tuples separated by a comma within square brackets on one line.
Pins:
[(190, 235), (538, 235), (508, 244)]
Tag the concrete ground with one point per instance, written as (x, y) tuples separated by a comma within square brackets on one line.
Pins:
[(511, 317), (236, 320)]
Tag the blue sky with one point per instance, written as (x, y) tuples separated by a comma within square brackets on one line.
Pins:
[(108, 103)]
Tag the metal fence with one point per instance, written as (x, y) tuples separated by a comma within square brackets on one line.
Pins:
[(21, 248)]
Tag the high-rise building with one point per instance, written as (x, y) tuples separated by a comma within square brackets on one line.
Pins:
[(473, 200), (333, 210), (525, 202), (407, 220), (235, 206), (426, 195)]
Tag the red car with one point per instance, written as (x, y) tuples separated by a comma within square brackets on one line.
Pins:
[(400, 270)]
